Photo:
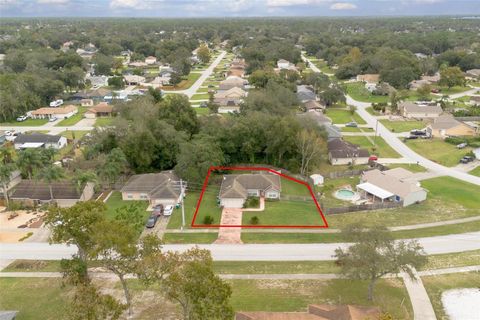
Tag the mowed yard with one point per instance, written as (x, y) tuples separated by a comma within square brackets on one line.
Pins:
[(44, 298), (358, 92), (438, 151), (342, 116), (402, 126), (381, 148)]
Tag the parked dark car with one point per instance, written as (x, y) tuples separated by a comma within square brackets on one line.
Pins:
[(418, 133), (411, 137), (466, 159), (352, 124), (158, 209), (152, 220)]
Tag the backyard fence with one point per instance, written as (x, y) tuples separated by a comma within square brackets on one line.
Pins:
[(356, 172), (362, 207)]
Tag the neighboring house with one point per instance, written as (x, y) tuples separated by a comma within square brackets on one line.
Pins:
[(432, 79), (313, 105), (39, 140), (157, 188), (230, 98), (342, 152), (369, 78), (137, 64), (65, 193), (59, 113), (231, 82), (475, 101), (393, 185), (237, 68), (305, 93), (236, 188), (283, 64), (102, 109), (316, 312), (158, 82), (86, 102), (333, 132), (97, 81), (317, 179), (416, 84), (473, 73), (150, 60), (476, 152), (15, 179), (96, 94), (446, 125), (419, 111), (133, 79)]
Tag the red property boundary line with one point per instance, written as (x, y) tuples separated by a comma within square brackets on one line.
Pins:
[(214, 168)]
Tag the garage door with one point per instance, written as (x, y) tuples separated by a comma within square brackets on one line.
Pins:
[(232, 203)]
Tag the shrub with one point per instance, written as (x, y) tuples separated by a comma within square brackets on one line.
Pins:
[(208, 220), (251, 202), (254, 220)]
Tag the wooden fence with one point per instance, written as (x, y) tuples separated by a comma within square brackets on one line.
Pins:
[(362, 207)]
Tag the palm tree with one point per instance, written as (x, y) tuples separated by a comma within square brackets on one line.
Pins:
[(7, 154), (83, 177), (29, 161), (5, 175), (50, 174)]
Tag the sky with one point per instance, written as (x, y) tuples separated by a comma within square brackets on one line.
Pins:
[(234, 8)]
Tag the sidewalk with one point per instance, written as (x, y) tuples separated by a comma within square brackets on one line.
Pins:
[(422, 307)]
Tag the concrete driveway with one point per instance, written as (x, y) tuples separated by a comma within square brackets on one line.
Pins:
[(230, 235)]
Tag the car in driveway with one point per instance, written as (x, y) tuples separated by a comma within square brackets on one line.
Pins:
[(352, 124), (152, 220), (466, 159), (158, 209), (22, 118), (168, 211), (52, 119)]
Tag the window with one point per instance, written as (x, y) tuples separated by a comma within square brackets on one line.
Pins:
[(129, 196), (143, 196)]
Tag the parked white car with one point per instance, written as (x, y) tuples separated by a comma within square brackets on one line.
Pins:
[(22, 118), (56, 103), (168, 211), (52, 119)]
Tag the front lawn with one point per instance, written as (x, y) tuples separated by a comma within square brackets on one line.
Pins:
[(381, 149), (452, 90), (409, 166), (452, 260), (202, 111), (186, 83), (356, 129), (358, 92), (115, 202), (200, 238), (295, 295), (476, 171), (73, 119), (27, 123), (200, 96), (342, 116), (402, 126), (103, 121), (436, 285), (438, 151), (74, 134)]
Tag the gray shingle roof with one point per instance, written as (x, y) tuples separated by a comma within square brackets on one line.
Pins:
[(236, 186), (37, 190), (339, 148), (37, 138), (158, 185)]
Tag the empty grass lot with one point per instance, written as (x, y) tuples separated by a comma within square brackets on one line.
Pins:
[(403, 126), (438, 151), (27, 123), (342, 116), (436, 285), (382, 149), (73, 119), (358, 92)]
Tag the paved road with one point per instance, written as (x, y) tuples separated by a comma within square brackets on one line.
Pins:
[(205, 74), (248, 252)]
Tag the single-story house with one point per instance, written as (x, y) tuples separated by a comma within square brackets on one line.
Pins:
[(342, 152), (476, 152), (60, 112), (316, 312), (150, 60), (236, 188), (475, 101), (313, 105), (473, 73), (97, 94), (86, 102), (446, 125), (65, 193), (102, 109), (97, 81), (231, 82), (391, 185), (317, 179), (39, 140), (133, 79), (333, 132), (283, 64), (305, 93), (15, 178), (157, 188), (419, 111), (369, 78), (233, 96)]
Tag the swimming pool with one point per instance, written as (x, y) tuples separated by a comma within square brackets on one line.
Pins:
[(345, 194)]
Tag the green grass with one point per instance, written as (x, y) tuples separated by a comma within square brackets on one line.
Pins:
[(103, 121), (186, 82), (402, 126), (358, 92), (274, 267), (382, 149), (200, 96), (453, 90), (452, 260), (436, 285), (27, 123), (202, 111), (201, 238), (341, 116), (409, 167), (115, 202), (296, 295), (438, 151), (290, 187), (71, 133), (455, 191), (476, 171), (356, 129), (73, 119)]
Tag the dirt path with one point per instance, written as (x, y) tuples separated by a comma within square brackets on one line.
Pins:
[(230, 235)]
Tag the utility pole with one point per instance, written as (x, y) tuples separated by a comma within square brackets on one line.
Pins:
[(182, 195), (376, 132)]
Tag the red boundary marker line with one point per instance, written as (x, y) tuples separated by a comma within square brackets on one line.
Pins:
[(205, 184)]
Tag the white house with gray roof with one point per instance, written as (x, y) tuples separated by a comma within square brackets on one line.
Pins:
[(157, 188), (236, 188), (419, 111)]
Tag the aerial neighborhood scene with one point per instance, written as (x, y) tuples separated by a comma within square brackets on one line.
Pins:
[(240, 160)]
